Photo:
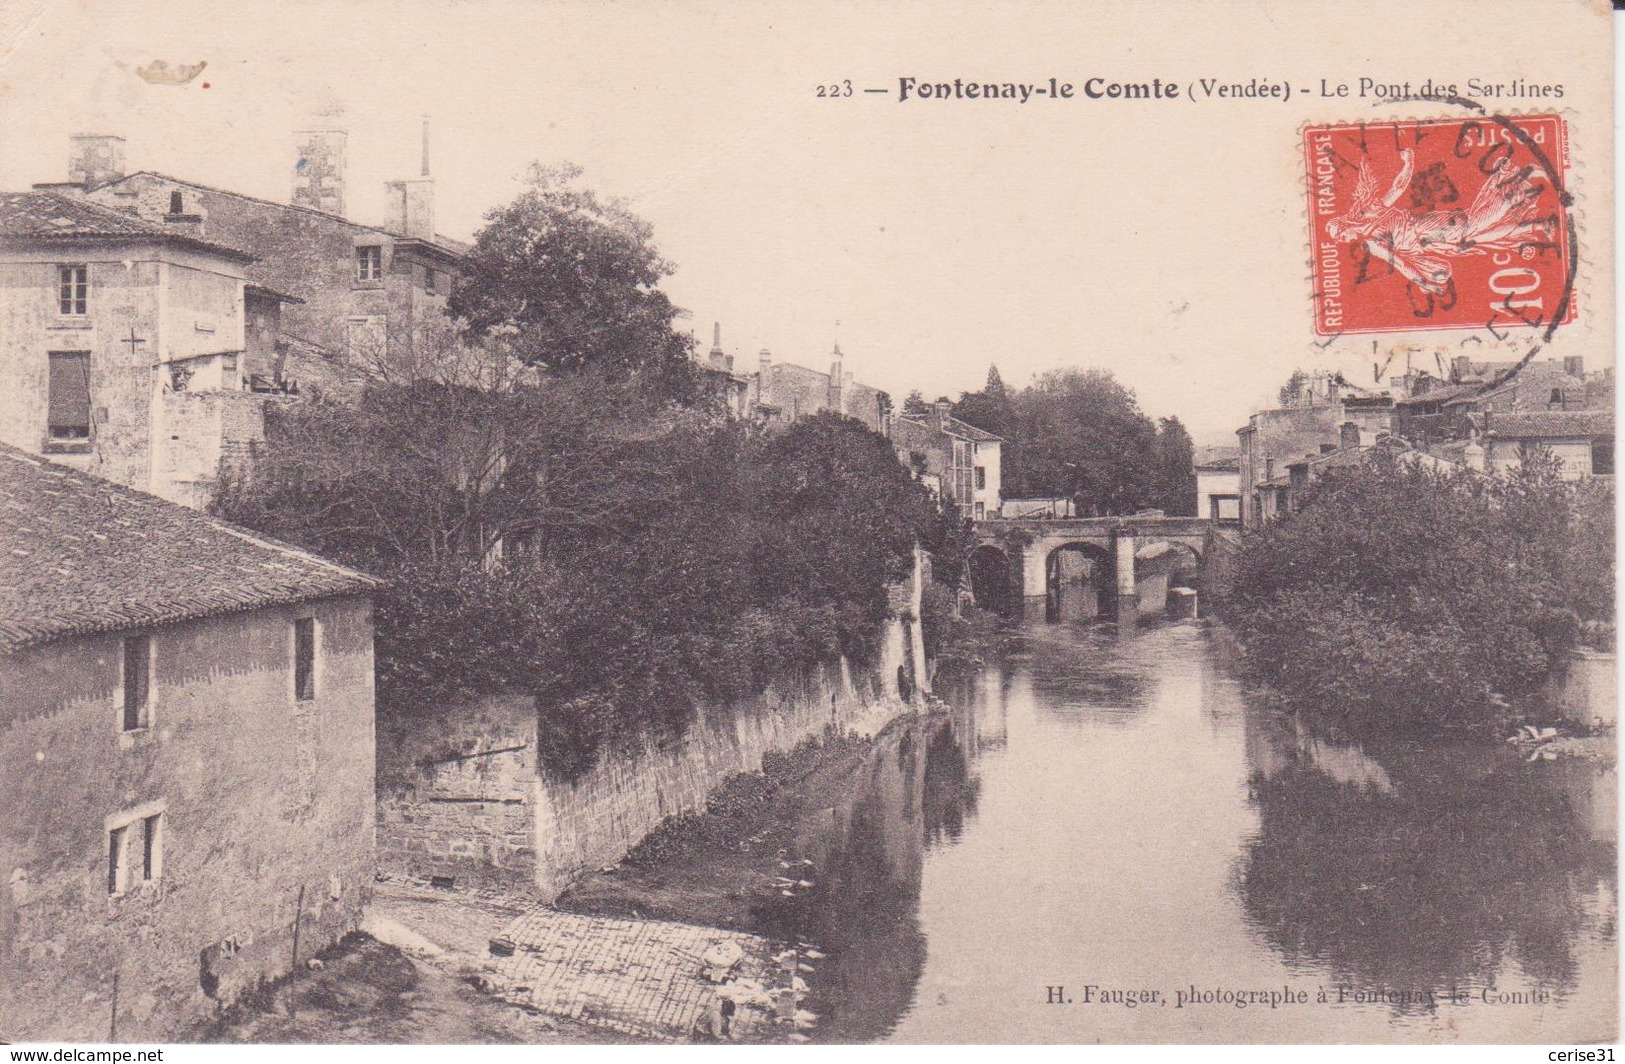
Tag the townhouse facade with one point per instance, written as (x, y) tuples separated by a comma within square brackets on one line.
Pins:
[(129, 347)]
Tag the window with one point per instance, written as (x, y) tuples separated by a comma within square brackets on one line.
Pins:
[(369, 263), (137, 682), (68, 396), (1602, 457), (72, 287), (135, 853), (981, 476), (431, 283), (304, 659), (981, 511), (117, 870), (176, 205)]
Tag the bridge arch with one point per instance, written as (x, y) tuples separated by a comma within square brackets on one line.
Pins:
[(995, 578), (1079, 581)]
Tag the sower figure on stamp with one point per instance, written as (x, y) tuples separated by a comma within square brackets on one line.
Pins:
[(1418, 244)]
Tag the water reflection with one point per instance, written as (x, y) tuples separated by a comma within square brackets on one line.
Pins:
[(1420, 866), (1120, 811)]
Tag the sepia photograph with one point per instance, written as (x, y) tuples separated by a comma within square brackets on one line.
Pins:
[(648, 522)]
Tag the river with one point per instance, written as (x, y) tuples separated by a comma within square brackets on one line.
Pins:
[(1117, 814)]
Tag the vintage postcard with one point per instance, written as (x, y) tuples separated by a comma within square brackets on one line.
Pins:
[(557, 523)]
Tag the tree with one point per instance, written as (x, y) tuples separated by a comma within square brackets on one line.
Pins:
[(1176, 469), (994, 388), (622, 563), (574, 279), (1293, 391), (1400, 598), (1081, 433), (989, 409), (915, 405)]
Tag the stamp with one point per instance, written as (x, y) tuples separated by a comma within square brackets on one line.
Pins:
[(1450, 223)]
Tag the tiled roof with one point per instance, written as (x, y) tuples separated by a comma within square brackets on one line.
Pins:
[(1438, 394), (79, 555), (955, 427), (1218, 457), (971, 432), (47, 216), (1551, 424), (444, 243)]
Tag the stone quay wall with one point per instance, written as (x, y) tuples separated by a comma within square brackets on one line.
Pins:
[(461, 794)]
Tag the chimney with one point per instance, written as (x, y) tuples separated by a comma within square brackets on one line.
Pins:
[(766, 359), (409, 207), (1575, 366), (944, 413), (1461, 367), (1349, 435), (179, 219), (836, 379), (409, 204), (96, 159), (717, 358), (318, 171)]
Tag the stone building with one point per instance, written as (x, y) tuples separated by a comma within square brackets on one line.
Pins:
[(732, 390), (1435, 410), (783, 392), (365, 294), (186, 739), (1218, 484), (961, 459), (1273, 438), (1582, 441), (129, 348)]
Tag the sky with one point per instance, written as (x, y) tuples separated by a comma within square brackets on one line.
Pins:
[(1164, 241)]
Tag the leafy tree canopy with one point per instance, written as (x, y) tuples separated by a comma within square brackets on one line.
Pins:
[(1401, 598), (574, 279)]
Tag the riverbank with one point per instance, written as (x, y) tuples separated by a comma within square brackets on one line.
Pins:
[(739, 864), (363, 991)]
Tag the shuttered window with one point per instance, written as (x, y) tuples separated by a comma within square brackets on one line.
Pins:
[(69, 398)]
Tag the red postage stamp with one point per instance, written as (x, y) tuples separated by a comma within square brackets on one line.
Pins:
[(1458, 223)]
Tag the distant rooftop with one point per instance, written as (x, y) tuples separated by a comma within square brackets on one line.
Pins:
[(449, 245), (1223, 457), (1551, 424)]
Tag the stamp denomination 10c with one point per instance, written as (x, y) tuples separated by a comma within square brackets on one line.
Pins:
[(1458, 223)]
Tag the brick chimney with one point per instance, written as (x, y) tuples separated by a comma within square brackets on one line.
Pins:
[(945, 413), (1348, 435), (1460, 367), (766, 361), (1574, 366), (95, 159), (318, 170)]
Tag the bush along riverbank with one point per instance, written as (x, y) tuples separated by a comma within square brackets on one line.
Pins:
[(1400, 599)]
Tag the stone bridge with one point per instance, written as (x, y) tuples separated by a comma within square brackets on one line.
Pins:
[(1125, 560)]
